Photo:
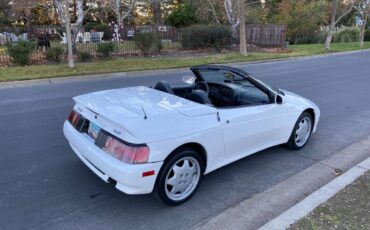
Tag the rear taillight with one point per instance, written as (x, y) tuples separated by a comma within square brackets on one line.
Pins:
[(73, 118), (126, 153)]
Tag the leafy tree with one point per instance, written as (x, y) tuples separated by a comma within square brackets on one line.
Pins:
[(210, 11), (336, 14), (298, 16), (25, 10), (4, 13), (363, 9), (184, 16), (271, 10), (41, 15)]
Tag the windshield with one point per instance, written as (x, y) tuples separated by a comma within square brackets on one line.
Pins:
[(274, 89), (213, 75), (223, 75)]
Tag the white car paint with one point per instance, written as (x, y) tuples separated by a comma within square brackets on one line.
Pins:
[(164, 122)]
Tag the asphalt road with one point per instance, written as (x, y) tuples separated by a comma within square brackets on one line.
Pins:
[(43, 185)]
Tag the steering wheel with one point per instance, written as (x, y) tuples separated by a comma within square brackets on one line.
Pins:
[(201, 85)]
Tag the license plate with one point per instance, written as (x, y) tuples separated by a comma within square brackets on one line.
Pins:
[(93, 130)]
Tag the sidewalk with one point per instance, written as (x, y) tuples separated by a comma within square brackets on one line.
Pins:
[(280, 206), (348, 209)]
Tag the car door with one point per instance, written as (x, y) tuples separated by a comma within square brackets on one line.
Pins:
[(252, 128)]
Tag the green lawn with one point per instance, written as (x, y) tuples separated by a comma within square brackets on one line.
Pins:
[(141, 63), (122, 47)]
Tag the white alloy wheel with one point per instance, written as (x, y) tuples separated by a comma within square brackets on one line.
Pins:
[(303, 131), (183, 178)]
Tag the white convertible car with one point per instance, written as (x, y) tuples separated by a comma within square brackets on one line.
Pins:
[(164, 139)]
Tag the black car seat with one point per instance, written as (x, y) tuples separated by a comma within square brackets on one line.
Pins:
[(199, 96), (164, 87)]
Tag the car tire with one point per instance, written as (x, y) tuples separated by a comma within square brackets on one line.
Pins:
[(179, 177), (301, 132)]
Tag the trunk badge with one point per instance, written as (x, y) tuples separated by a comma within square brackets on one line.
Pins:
[(117, 132)]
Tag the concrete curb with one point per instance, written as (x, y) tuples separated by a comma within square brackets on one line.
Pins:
[(307, 205), (256, 211), (47, 81)]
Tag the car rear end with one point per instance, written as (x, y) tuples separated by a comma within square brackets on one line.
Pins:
[(98, 142)]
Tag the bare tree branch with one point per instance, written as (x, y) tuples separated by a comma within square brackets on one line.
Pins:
[(349, 9), (213, 11)]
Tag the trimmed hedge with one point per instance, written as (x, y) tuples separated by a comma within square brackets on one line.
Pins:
[(204, 36)]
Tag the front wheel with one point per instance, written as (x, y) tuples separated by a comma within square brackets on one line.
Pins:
[(180, 177), (301, 132)]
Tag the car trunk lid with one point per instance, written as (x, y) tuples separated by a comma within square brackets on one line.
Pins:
[(133, 107)]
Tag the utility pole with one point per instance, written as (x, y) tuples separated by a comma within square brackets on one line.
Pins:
[(242, 36)]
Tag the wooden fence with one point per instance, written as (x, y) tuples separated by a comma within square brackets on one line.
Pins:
[(266, 35)]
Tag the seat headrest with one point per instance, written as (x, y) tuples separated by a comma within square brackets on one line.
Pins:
[(199, 96), (164, 87)]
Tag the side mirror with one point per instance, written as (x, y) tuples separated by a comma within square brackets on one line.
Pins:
[(278, 99), (188, 79)]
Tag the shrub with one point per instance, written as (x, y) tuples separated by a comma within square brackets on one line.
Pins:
[(320, 37), (220, 37), (55, 53), (157, 46), (147, 41), (84, 56), (104, 49), (348, 34), (20, 51), (203, 36), (367, 36), (309, 38), (345, 34)]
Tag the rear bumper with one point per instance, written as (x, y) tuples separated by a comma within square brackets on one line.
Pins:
[(128, 176)]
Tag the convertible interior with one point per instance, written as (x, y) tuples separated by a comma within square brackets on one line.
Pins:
[(219, 94)]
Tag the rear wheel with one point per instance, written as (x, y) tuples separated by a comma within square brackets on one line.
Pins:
[(179, 178), (301, 132)]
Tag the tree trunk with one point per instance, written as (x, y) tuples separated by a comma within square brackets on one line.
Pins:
[(79, 23), (69, 36), (228, 4), (156, 8), (117, 10), (362, 30), (242, 36), (329, 37), (333, 15)]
